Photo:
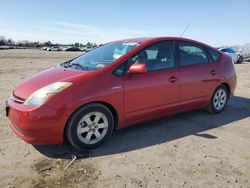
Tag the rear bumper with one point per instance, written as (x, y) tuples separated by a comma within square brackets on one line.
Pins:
[(37, 125)]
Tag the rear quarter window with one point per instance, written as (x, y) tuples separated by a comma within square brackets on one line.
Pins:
[(214, 54)]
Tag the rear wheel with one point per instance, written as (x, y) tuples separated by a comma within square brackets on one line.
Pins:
[(90, 126), (219, 100)]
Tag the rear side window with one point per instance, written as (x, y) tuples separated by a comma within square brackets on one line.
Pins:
[(214, 54), (191, 54)]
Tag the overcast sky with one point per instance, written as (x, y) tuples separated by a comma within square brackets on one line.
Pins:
[(215, 22)]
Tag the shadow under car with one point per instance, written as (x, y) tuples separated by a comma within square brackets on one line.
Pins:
[(157, 131)]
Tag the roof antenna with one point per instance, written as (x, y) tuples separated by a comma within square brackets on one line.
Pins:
[(184, 30)]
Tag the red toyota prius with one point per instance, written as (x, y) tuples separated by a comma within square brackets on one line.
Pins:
[(119, 84)]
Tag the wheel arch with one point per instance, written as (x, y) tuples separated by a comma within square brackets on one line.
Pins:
[(227, 86), (209, 106), (223, 83)]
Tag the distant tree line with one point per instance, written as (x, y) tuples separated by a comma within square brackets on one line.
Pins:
[(37, 44)]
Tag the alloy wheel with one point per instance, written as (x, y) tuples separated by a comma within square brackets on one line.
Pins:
[(220, 99), (92, 127)]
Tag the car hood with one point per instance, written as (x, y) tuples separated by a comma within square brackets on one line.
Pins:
[(43, 78)]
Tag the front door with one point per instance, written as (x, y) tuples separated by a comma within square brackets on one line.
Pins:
[(155, 92)]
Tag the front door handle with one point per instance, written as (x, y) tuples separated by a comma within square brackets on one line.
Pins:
[(213, 72), (172, 79)]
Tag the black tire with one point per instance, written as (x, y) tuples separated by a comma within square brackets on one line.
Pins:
[(212, 108), (71, 128), (241, 59)]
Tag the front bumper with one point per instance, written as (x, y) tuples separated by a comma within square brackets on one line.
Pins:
[(36, 125)]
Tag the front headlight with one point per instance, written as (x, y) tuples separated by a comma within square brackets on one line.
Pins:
[(42, 95)]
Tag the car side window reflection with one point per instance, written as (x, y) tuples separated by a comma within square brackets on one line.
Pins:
[(158, 56), (190, 54)]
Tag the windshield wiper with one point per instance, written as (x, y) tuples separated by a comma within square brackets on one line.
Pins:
[(79, 65), (65, 64)]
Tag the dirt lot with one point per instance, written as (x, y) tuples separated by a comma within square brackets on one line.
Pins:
[(193, 149)]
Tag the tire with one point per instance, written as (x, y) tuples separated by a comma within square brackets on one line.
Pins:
[(241, 59), (85, 131), (218, 100)]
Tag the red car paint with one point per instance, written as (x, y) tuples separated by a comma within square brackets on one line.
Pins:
[(133, 98)]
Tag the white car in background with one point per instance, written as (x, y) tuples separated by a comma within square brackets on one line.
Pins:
[(87, 49), (54, 48), (4, 47), (236, 57), (44, 48)]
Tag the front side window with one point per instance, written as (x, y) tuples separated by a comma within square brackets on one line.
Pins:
[(190, 54), (157, 56), (102, 56)]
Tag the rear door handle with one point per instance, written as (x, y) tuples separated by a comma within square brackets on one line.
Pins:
[(172, 79), (213, 72)]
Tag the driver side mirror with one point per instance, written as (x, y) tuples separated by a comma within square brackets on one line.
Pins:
[(137, 68)]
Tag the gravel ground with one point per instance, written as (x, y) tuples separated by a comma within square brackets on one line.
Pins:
[(193, 149)]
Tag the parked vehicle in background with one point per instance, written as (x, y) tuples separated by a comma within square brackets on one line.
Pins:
[(247, 58), (44, 48), (64, 48), (241, 58), (12, 47), (87, 49), (235, 56), (72, 49), (4, 47), (54, 48), (119, 84)]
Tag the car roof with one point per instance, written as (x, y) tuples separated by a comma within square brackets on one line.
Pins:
[(157, 39)]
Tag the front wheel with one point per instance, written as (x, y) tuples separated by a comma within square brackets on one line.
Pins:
[(90, 126), (219, 100)]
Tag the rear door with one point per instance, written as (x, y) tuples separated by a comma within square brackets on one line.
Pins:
[(155, 92), (198, 75)]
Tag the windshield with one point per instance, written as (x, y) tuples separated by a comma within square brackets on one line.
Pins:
[(102, 56)]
